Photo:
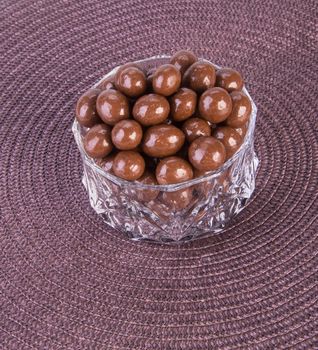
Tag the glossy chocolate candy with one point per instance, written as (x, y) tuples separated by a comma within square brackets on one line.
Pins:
[(147, 195), (107, 163), (166, 80), (200, 173), (196, 127), (229, 79), (112, 106), (132, 82), (241, 110), (242, 130), (183, 59), (129, 165), (123, 67), (173, 170), (126, 134), (215, 105), (206, 153), (97, 142), (151, 109), (183, 104), (200, 76), (86, 113), (230, 138), (162, 140), (204, 187)]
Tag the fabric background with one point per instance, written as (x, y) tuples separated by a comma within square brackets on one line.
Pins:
[(68, 281)]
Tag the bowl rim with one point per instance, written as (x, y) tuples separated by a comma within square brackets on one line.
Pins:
[(248, 142)]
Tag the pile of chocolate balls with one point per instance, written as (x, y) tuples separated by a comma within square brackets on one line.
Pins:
[(167, 125)]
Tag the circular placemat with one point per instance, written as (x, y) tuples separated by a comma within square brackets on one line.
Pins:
[(70, 282)]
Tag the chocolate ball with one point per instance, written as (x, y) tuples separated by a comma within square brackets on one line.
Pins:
[(132, 82), (200, 76), (166, 80), (97, 142), (162, 140), (230, 139), (86, 113), (229, 79), (242, 130), (148, 195), (206, 153), (128, 165), (107, 163), (183, 59), (112, 106), (151, 109), (173, 170), (195, 127), (183, 104), (215, 105), (241, 110), (123, 67), (108, 83), (200, 173), (204, 187), (126, 134), (177, 200)]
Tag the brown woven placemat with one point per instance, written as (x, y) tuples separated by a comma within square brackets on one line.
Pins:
[(70, 282)]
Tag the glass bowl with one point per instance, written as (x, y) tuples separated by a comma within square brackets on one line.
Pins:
[(172, 213)]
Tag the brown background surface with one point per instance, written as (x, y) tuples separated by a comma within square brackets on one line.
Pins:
[(68, 281)]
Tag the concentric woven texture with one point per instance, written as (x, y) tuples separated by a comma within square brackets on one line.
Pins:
[(68, 281)]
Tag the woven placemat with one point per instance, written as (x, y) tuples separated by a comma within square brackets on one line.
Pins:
[(70, 282)]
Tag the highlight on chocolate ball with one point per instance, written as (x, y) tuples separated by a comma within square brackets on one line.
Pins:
[(167, 146)]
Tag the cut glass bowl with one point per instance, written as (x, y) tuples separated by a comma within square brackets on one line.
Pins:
[(194, 208)]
